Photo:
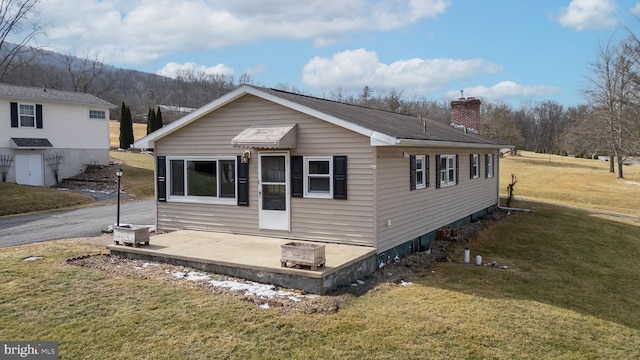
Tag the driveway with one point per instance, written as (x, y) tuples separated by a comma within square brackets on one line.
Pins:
[(86, 222)]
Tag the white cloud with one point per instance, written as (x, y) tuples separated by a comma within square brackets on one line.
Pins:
[(636, 10), (589, 14), (506, 90), (140, 31), (257, 69), (172, 69), (353, 69)]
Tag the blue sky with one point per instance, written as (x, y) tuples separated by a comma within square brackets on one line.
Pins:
[(498, 50)]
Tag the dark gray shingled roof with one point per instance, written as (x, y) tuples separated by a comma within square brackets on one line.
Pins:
[(400, 126), (42, 94), (31, 142)]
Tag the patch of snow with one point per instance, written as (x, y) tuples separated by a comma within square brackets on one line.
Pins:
[(249, 288), (632, 183), (146, 265), (294, 298), (283, 293), (33, 258), (264, 306), (406, 283), (191, 276)]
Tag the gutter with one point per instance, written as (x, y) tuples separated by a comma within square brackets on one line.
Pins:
[(445, 144)]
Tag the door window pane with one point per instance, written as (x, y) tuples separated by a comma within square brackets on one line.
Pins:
[(273, 169), (274, 197)]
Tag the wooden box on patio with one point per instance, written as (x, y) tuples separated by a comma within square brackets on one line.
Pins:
[(306, 254), (131, 235)]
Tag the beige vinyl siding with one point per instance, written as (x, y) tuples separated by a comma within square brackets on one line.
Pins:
[(413, 213), (343, 221)]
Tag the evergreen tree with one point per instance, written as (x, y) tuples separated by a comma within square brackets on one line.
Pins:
[(126, 127), (150, 120), (157, 123)]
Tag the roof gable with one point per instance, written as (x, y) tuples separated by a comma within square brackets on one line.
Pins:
[(384, 128)]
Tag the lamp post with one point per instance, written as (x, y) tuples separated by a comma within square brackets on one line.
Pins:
[(119, 175)]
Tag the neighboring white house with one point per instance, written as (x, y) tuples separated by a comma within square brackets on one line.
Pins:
[(41, 127), (272, 163)]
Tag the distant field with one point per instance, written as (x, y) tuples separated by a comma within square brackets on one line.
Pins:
[(139, 131), (569, 181)]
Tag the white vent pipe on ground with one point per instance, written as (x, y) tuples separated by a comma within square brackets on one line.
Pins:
[(467, 254), (478, 260)]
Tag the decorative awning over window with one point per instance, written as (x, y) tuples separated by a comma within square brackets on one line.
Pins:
[(30, 143), (267, 137)]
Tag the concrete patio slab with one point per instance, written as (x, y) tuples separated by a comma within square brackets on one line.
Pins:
[(254, 258)]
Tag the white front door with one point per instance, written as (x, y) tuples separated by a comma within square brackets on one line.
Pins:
[(29, 169), (273, 194)]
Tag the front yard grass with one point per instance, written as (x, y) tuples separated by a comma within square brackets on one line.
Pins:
[(22, 199), (571, 291)]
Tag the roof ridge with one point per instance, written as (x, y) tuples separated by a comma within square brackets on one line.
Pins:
[(341, 102)]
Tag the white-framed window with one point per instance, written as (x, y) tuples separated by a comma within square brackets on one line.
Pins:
[(475, 166), (318, 172), (97, 114), (27, 115), (202, 179), (448, 170), (489, 165), (421, 175)]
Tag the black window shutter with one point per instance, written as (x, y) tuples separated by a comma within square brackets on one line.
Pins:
[(161, 180), (340, 177), (39, 116), (14, 114), (470, 166), (412, 172), (426, 160), (457, 173), (437, 171), (297, 176), (486, 165), (243, 182)]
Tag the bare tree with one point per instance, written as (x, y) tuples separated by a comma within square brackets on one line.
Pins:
[(83, 73), (497, 123), (16, 17), (611, 94)]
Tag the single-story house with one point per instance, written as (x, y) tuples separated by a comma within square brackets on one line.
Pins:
[(266, 162), (47, 135)]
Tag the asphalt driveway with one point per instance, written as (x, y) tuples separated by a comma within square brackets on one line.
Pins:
[(86, 222)]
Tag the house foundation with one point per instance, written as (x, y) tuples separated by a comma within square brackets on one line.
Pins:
[(254, 258)]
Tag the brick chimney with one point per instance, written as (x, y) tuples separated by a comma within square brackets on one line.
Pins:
[(466, 112)]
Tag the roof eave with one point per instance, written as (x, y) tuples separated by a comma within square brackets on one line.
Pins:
[(445, 144)]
